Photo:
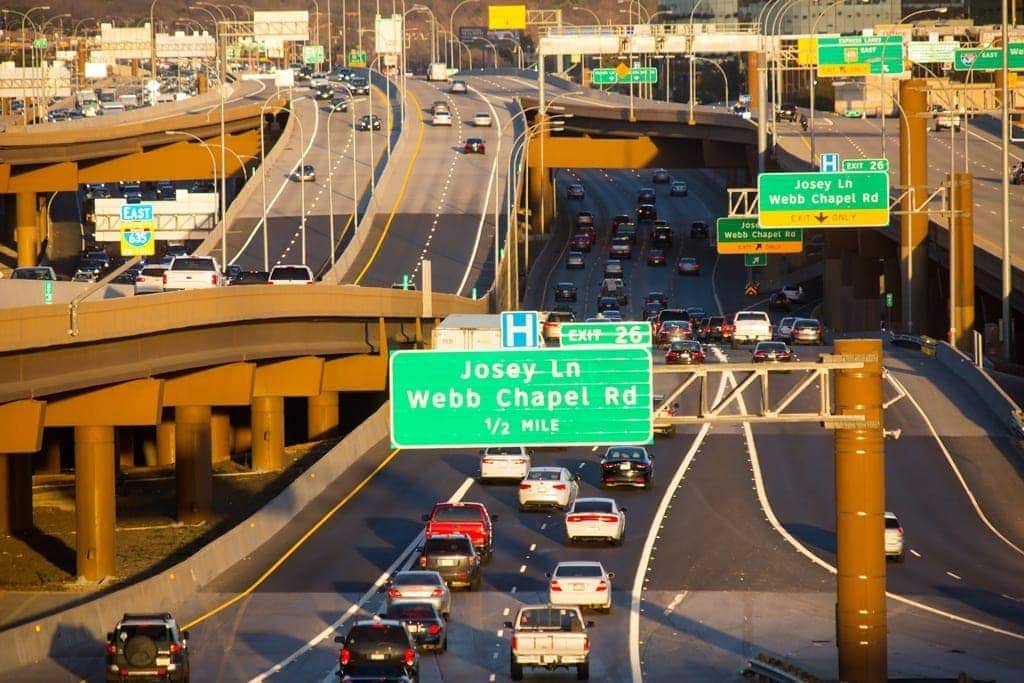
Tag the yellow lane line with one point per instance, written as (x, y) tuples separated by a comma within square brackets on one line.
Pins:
[(401, 191), (298, 544)]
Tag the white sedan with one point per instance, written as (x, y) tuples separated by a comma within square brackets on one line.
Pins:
[(548, 487), (581, 584), (595, 518), (504, 462), (483, 119)]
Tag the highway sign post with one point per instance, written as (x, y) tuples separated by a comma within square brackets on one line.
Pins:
[(988, 59), (823, 200), (860, 55), (543, 397), (606, 334), (865, 164), (624, 74), (745, 236), (755, 260), (137, 230)]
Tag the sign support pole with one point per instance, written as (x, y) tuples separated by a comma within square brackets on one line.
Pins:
[(913, 174)]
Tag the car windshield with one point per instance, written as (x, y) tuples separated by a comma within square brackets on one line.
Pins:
[(551, 619), (593, 506), (623, 453), (459, 546), (579, 571), (416, 579), (457, 514), (768, 347), (543, 475)]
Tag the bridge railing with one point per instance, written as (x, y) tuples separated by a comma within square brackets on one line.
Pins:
[(657, 30)]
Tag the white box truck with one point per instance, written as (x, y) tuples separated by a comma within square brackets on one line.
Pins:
[(437, 71), (462, 331)]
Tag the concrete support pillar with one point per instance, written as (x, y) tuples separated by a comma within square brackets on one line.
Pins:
[(94, 501), (15, 493), (840, 245), (860, 517), (220, 434), (48, 461), (541, 207), (165, 442), (322, 415), (192, 465), (914, 227), (755, 100), (964, 260), (267, 433), (865, 308), (26, 228), (125, 447), (242, 441)]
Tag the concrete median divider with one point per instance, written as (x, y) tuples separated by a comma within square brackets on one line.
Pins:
[(990, 393), (81, 630)]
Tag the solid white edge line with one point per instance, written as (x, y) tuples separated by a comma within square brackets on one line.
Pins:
[(773, 520), (487, 195), (367, 596), (952, 465), (652, 533)]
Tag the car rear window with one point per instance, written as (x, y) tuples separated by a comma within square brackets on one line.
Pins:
[(501, 450), (448, 545), (579, 570), (891, 523), (624, 453), (153, 271), (543, 475), (457, 514), (417, 579), (551, 619), (592, 506), (750, 316), (669, 314), (372, 637), (192, 264), (412, 610), (158, 633), (771, 346), (804, 324), (250, 277), (289, 273)]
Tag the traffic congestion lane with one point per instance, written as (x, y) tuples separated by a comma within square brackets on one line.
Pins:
[(285, 197)]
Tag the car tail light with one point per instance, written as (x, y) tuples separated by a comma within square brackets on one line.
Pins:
[(758, 355), (164, 277), (554, 586), (410, 657), (602, 585), (640, 465), (423, 561), (899, 530), (214, 279), (524, 487), (161, 671), (111, 648), (175, 648), (607, 518), (699, 355), (270, 282), (394, 593), (434, 629), (586, 643), (139, 278), (345, 657), (520, 461), (559, 487), (436, 593), (515, 643)]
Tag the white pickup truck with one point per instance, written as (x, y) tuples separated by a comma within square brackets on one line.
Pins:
[(551, 638), (751, 327), (192, 272)]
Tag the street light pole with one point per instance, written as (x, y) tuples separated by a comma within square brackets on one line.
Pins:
[(451, 31), (1007, 272), (693, 74), (213, 164)]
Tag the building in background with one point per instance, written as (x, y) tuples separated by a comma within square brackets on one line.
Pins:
[(707, 11)]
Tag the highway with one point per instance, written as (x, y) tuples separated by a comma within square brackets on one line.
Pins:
[(856, 138)]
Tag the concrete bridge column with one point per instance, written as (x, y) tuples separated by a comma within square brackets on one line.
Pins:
[(541, 206), (193, 469), (267, 433), (242, 433), (94, 501), (165, 440), (839, 245), (914, 227), (220, 434), (48, 460), (15, 493), (322, 413), (125, 447), (866, 304), (26, 228), (755, 103)]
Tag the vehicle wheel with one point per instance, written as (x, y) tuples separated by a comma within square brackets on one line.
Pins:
[(583, 671), (617, 542), (516, 670)]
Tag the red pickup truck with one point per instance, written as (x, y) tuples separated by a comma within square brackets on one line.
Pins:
[(470, 519)]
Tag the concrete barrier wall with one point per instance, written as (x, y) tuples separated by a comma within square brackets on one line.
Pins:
[(990, 393), (30, 292), (65, 634)]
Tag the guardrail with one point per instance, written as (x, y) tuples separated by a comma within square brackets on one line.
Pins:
[(683, 28), (767, 668)]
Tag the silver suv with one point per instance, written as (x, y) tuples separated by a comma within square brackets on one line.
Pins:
[(893, 537)]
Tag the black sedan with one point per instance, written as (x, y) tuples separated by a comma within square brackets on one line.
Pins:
[(565, 291), (429, 630), (684, 353), (773, 352), (575, 191), (607, 303), (627, 466), (698, 229), (660, 176), (368, 122)]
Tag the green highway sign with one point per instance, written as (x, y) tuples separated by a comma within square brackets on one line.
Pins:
[(823, 200), (860, 55), (755, 260), (606, 334), (988, 59), (865, 164), (889, 299), (624, 74), (48, 291), (531, 397), (745, 236), (357, 58), (312, 54), (39, 43)]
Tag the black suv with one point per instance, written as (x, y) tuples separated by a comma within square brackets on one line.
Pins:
[(378, 649), (786, 112), (147, 645), (646, 212), (454, 558), (698, 229), (646, 195)]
